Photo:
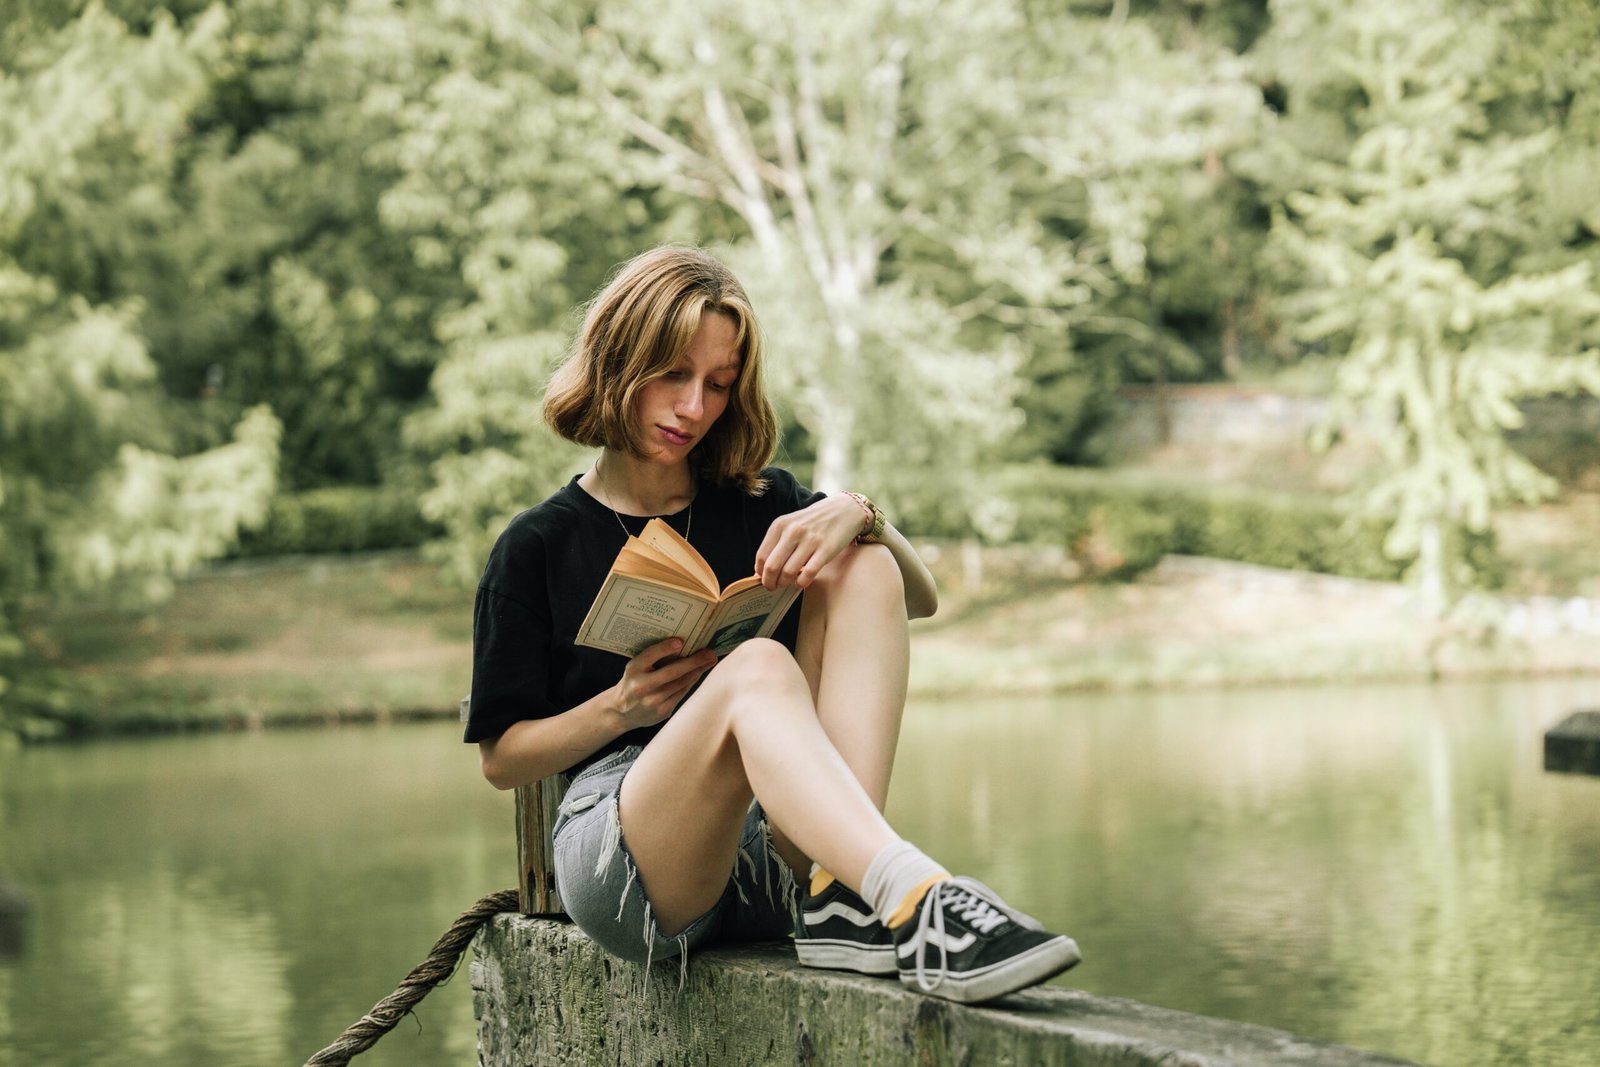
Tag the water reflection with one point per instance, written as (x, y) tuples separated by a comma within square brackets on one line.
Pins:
[(1384, 867), (240, 900), (175, 958)]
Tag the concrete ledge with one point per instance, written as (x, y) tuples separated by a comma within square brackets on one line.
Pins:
[(544, 993)]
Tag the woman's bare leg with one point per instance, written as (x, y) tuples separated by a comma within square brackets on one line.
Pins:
[(855, 652), (854, 649), (751, 727)]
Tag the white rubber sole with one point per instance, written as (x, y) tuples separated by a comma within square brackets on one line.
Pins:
[(1045, 960), (846, 956)]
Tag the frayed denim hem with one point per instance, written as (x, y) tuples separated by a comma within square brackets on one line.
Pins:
[(611, 846), (787, 888), (604, 894)]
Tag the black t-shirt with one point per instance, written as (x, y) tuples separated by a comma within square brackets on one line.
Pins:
[(544, 573)]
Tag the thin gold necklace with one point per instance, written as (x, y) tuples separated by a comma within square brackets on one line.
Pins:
[(688, 523)]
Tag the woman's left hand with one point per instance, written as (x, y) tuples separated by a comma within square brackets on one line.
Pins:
[(798, 545)]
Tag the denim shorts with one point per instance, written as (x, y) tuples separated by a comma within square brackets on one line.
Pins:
[(601, 890)]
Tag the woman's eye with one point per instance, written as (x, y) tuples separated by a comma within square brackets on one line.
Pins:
[(721, 387)]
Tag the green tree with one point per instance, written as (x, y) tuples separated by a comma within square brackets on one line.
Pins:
[(1139, 137), (259, 256), (917, 212), (542, 159), (849, 150), (911, 213), (1549, 79), (501, 191), (1413, 202), (93, 491), (276, 276)]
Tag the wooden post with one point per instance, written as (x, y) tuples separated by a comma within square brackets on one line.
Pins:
[(536, 855), (13, 912), (536, 858), (1573, 746)]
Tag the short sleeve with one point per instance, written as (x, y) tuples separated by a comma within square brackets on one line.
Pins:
[(784, 494), (511, 637)]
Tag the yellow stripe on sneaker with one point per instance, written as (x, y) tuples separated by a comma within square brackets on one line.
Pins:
[(820, 881), (908, 906)]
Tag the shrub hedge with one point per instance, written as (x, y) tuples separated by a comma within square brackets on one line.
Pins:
[(1115, 524), (1122, 525), (338, 519)]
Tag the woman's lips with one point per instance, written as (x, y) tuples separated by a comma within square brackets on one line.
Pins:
[(676, 437)]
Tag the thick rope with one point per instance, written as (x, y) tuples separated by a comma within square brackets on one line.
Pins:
[(440, 964)]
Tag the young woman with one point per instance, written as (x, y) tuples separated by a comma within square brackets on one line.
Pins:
[(701, 787)]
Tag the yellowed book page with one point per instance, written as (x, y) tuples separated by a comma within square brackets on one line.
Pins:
[(639, 560), (747, 610), (658, 535), (631, 614)]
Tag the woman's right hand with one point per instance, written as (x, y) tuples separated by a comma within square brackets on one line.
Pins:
[(656, 679)]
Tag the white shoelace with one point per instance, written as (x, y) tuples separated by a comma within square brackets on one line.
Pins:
[(975, 903)]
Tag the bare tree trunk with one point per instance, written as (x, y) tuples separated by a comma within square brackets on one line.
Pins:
[(1430, 565), (825, 232), (1163, 401), (1232, 364), (835, 446)]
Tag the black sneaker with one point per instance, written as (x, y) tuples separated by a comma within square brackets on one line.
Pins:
[(838, 930), (965, 944)]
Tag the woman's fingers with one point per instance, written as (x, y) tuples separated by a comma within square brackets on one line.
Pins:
[(681, 672), (796, 563), (656, 680), (785, 553), (663, 700), (652, 657), (675, 695), (798, 545)]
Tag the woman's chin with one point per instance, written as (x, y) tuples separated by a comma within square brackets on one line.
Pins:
[(669, 455)]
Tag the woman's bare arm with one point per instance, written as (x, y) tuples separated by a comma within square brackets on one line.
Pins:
[(650, 688), (922, 594)]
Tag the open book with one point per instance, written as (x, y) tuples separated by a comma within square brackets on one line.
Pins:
[(660, 587)]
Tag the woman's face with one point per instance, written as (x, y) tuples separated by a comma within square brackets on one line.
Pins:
[(677, 410)]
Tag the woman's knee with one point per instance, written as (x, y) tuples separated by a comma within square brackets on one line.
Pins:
[(863, 570), (757, 662), (759, 671)]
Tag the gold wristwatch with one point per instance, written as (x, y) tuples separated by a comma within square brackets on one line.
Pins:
[(872, 530)]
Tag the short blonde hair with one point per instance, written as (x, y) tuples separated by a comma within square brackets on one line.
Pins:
[(636, 330)]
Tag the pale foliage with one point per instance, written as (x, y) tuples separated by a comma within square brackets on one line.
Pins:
[(88, 495), (1392, 225)]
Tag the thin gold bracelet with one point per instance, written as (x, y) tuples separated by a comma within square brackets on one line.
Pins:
[(872, 528)]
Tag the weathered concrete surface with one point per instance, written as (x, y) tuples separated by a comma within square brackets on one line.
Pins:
[(545, 994), (1573, 746)]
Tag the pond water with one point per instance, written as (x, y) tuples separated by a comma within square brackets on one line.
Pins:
[(1387, 867)]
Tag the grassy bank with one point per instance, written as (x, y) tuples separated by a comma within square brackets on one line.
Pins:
[(331, 639), (274, 642)]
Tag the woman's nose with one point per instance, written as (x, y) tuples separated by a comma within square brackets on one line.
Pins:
[(691, 400)]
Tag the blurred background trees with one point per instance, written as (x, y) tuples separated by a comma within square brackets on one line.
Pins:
[(327, 253), (106, 480), (1411, 213)]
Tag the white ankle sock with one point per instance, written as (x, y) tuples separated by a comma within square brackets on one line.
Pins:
[(899, 870)]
